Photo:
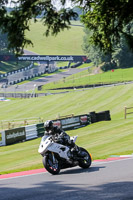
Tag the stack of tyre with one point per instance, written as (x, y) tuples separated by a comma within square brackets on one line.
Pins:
[(101, 116)]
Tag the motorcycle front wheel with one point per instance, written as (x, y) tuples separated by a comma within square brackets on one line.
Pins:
[(51, 166), (86, 160)]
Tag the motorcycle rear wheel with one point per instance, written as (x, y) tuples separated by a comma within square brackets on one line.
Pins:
[(85, 162), (51, 167)]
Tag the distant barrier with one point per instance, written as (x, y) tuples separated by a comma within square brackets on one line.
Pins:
[(72, 122), (69, 122), (15, 135), (20, 134)]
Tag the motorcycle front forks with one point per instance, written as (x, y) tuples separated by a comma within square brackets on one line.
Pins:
[(53, 157)]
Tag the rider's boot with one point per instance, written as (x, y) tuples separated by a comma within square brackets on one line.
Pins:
[(75, 149)]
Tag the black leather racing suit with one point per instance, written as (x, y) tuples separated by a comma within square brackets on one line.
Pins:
[(60, 136)]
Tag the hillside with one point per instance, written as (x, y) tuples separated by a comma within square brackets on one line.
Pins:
[(90, 78), (102, 139), (78, 102), (6, 67), (67, 42)]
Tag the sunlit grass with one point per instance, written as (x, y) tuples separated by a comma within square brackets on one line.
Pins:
[(102, 139), (88, 78)]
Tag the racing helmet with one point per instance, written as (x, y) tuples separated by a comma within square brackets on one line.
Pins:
[(48, 125)]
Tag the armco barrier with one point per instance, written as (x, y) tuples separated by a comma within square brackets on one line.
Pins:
[(73, 122), (2, 140), (37, 130), (15, 135), (31, 132), (40, 129)]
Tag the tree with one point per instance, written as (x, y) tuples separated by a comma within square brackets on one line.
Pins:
[(121, 57), (93, 52), (122, 54), (3, 43), (106, 18)]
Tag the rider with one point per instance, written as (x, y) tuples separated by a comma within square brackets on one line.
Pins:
[(59, 135)]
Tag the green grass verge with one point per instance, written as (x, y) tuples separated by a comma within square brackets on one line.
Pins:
[(67, 42), (102, 139), (87, 78), (9, 66)]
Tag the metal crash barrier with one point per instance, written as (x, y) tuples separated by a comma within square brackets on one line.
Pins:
[(69, 122), (2, 138)]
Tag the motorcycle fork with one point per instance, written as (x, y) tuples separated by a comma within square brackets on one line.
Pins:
[(53, 157)]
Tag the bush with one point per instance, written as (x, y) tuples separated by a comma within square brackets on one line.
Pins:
[(108, 66)]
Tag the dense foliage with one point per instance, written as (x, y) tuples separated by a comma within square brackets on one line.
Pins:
[(121, 57), (4, 44), (105, 18), (8, 66)]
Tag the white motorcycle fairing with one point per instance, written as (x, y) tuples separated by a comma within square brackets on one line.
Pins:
[(47, 144), (57, 156)]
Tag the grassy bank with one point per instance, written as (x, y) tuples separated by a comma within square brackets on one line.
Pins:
[(112, 98), (67, 42), (88, 78), (102, 139), (9, 66)]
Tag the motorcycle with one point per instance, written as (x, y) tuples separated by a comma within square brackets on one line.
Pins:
[(57, 156)]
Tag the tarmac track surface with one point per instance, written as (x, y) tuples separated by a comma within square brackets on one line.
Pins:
[(112, 180), (43, 80)]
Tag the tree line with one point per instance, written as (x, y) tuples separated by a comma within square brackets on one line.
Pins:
[(120, 57), (108, 26), (105, 18)]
